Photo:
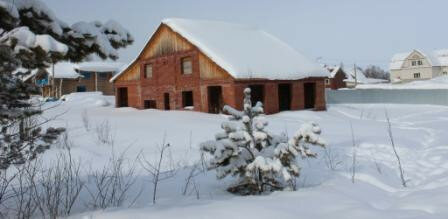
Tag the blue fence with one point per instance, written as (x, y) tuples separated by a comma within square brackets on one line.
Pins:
[(400, 96)]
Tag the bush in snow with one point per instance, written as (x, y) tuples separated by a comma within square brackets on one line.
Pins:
[(33, 38), (260, 160)]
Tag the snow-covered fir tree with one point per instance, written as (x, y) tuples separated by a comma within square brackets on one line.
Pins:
[(260, 160), (33, 38)]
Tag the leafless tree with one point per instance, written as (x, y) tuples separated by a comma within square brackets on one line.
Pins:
[(373, 71), (391, 137), (154, 168)]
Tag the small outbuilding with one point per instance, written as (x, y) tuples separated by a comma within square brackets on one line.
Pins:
[(65, 77), (336, 77), (202, 65)]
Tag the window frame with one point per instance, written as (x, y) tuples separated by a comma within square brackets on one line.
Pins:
[(182, 66), (84, 88), (417, 75), (145, 72), (149, 104), (103, 75), (84, 73)]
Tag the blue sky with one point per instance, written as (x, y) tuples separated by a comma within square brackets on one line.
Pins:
[(332, 31)]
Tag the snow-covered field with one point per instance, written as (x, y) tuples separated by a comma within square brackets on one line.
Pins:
[(324, 190)]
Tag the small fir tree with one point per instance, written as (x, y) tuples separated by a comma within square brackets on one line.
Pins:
[(260, 160)]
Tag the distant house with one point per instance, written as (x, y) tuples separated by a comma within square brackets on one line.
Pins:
[(202, 65), (335, 78), (356, 76), (64, 78), (338, 77), (418, 65)]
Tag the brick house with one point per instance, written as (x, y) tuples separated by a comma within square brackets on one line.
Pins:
[(81, 77), (336, 77), (203, 65)]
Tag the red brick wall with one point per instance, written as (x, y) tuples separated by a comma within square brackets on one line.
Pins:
[(271, 104), (167, 78)]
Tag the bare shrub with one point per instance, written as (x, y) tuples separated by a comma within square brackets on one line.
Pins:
[(85, 120), (6, 179), (190, 181), (58, 186), (24, 204), (154, 168), (332, 160), (377, 165), (64, 142), (391, 137), (104, 134), (109, 186), (354, 153)]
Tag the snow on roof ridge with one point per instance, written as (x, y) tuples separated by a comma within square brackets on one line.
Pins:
[(244, 51), (99, 66)]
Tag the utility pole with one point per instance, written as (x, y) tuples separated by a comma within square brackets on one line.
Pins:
[(96, 81), (356, 76), (52, 80)]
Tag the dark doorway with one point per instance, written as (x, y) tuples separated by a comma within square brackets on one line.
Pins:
[(150, 104), (257, 94), (122, 96), (310, 95), (215, 102), (166, 101), (284, 97), (187, 99), (81, 88)]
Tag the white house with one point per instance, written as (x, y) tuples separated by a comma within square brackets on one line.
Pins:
[(418, 65)]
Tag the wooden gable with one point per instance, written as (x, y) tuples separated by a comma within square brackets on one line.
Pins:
[(164, 42)]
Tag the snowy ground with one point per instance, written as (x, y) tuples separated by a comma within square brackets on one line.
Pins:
[(324, 192)]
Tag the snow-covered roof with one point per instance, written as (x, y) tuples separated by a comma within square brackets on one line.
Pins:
[(61, 70), (333, 70), (70, 70), (99, 66), (245, 52), (64, 70), (435, 58)]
